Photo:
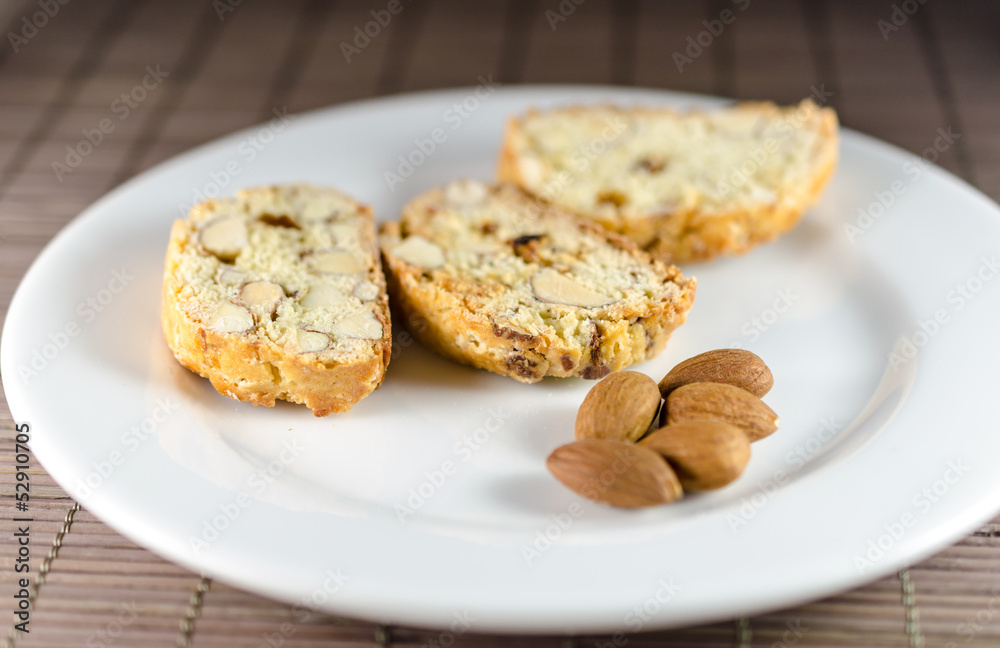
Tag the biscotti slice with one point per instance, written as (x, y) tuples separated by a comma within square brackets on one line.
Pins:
[(279, 293), (492, 278), (684, 186)]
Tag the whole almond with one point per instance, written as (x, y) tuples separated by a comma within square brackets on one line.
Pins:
[(705, 454), (621, 407), (735, 367), (615, 473), (706, 400)]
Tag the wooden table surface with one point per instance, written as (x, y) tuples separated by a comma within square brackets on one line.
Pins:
[(898, 70)]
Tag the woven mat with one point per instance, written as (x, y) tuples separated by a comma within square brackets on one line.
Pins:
[(898, 71)]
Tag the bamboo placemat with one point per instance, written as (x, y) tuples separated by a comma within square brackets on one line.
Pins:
[(900, 71)]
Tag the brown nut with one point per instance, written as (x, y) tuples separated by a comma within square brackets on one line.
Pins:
[(620, 407), (615, 473), (706, 400), (736, 367), (705, 454)]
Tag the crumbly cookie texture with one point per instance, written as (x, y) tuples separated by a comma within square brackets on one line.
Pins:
[(490, 277), (684, 186), (279, 293)]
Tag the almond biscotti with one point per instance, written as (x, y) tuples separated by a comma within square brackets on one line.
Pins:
[(684, 186), (490, 277), (279, 293)]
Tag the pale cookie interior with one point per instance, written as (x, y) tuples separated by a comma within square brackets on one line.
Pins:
[(613, 163), (541, 273), (292, 267)]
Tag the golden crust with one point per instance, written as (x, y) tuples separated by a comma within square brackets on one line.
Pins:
[(693, 235), (254, 369), (444, 313)]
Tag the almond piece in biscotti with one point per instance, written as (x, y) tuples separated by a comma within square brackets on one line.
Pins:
[(230, 276), (225, 237), (366, 291), (336, 262), (344, 233), (465, 193), (312, 341), (261, 297), (421, 252), (322, 295), (230, 318), (362, 325), (552, 286)]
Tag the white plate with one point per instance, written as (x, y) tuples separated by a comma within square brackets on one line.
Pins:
[(307, 509)]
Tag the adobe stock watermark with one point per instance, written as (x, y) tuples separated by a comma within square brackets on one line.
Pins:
[(921, 503), (248, 150), (415, 324), (546, 537), (559, 523), (756, 326), (130, 441), (584, 156), (121, 107), (795, 460), (462, 452), (898, 17), (639, 616), (958, 297), (87, 312), (364, 34), (562, 12), (31, 25), (333, 581), (975, 623), (227, 513), (225, 7), (697, 44), (462, 624), (794, 631), (783, 129), (453, 117), (105, 637), (581, 159), (914, 168)]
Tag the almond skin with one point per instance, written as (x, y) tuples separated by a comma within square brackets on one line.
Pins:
[(706, 400), (621, 407), (736, 367), (615, 473), (705, 454)]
